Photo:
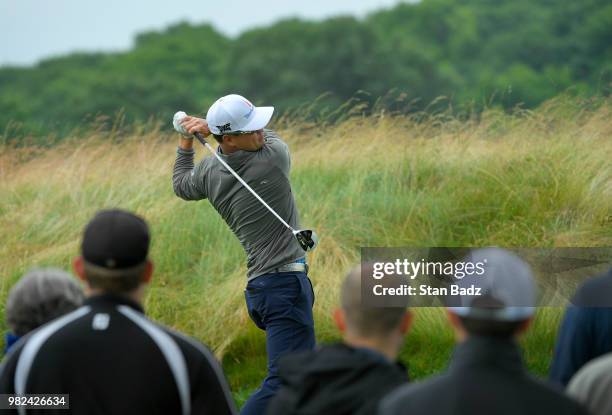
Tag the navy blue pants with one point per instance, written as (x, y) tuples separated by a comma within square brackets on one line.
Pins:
[(281, 304)]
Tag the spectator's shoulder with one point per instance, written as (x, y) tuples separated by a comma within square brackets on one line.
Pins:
[(191, 348), (596, 373), (52, 334), (555, 398), (197, 354), (8, 365), (414, 395), (207, 369), (595, 291), (49, 335)]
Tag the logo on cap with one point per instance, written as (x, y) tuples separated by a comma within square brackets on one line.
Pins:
[(224, 128)]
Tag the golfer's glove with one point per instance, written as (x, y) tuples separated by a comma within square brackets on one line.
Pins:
[(176, 122)]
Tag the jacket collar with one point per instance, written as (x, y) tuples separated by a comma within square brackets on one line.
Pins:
[(487, 352), (108, 300), (365, 355)]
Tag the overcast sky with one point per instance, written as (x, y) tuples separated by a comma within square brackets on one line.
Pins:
[(35, 29)]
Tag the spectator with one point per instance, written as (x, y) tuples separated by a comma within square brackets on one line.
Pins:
[(586, 330), (107, 356), (486, 374), (38, 297), (348, 377), (592, 385)]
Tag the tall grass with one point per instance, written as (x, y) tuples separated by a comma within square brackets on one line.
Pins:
[(540, 178)]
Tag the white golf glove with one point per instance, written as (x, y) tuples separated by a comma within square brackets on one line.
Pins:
[(176, 122)]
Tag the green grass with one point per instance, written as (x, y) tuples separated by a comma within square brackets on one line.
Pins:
[(540, 178)]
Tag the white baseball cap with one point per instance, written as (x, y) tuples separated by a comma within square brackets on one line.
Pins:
[(234, 113), (507, 281)]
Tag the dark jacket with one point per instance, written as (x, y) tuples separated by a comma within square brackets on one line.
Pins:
[(586, 330), (111, 359), (9, 341), (486, 376), (335, 380)]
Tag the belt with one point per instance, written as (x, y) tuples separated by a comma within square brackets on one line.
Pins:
[(292, 267)]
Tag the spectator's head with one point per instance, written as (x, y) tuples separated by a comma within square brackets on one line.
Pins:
[(381, 328), (507, 299), (114, 254), (40, 296)]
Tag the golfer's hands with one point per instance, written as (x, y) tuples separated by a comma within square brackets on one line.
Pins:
[(195, 125)]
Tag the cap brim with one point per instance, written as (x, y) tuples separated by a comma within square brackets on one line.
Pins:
[(260, 119), (504, 314)]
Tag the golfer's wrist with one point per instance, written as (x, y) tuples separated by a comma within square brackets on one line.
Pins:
[(186, 143)]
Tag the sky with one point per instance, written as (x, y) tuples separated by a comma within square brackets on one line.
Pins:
[(31, 30)]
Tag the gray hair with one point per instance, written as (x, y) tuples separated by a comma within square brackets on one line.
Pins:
[(367, 321), (41, 295)]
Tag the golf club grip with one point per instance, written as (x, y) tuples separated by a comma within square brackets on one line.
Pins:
[(200, 138)]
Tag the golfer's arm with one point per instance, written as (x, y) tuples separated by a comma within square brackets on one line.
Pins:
[(188, 180)]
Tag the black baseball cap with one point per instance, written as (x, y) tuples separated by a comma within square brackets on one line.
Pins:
[(116, 239)]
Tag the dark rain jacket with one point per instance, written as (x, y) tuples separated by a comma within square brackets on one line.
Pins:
[(336, 379), (586, 330), (486, 376), (111, 359)]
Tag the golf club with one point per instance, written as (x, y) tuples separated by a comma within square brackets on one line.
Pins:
[(307, 238)]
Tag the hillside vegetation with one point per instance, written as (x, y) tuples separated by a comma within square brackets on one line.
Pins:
[(473, 52), (531, 178)]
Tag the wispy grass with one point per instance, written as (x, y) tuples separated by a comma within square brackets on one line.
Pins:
[(540, 178)]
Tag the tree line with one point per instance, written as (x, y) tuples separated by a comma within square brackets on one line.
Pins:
[(472, 52)]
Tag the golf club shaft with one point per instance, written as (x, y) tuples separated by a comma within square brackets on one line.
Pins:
[(212, 150)]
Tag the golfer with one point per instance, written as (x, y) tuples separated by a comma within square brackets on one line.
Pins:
[(279, 295)]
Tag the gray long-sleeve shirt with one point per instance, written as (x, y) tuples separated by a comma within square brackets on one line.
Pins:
[(267, 242)]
